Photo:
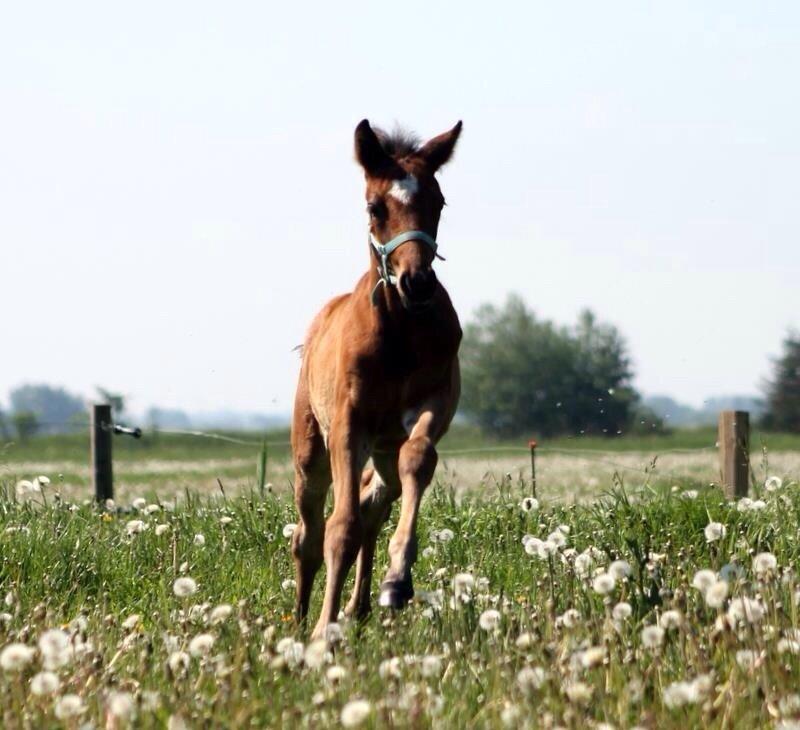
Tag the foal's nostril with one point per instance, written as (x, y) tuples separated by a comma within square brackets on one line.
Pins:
[(419, 286)]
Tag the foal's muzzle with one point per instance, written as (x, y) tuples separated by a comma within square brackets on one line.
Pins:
[(417, 289)]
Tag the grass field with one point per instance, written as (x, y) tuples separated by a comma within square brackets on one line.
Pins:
[(165, 465), (583, 611), (558, 633)]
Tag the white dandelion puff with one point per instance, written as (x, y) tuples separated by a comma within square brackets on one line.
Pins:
[(335, 674), (201, 645), (746, 610), (45, 683), (764, 564), (131, 622), (16, 657), (715, 531), (716, 594), (490, 620), (184, 586), (578, 692), (121, 705), (220, 613), (620, 569), (531, 678), (604, 583), (315, 654), (355, 712), (431, 665), (670, 619), (68, 706), (134, 527), (288, 530), (704, 579), (178, 662), (652, 637), (622, 611)]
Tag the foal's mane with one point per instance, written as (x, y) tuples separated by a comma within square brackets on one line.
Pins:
[(399, 142)]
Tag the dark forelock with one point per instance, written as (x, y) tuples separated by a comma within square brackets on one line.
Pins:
[(399, 142)]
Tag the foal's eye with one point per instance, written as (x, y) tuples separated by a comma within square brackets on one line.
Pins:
[(377, 209)]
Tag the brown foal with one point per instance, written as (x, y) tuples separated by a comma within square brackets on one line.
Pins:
[(379, 379)]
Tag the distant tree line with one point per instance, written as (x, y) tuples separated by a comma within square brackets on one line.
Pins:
[(40, 408), (524, 376)]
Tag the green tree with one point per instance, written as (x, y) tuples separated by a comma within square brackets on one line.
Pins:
[(26, 424), (782, 391), (522, 375), (55, 408)]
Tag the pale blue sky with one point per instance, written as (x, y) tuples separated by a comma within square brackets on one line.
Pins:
[(179, 195)]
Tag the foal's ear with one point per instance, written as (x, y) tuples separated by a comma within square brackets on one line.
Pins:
[(369, 151), (438, 150)]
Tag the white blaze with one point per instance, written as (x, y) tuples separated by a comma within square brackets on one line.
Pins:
[(403, 190)]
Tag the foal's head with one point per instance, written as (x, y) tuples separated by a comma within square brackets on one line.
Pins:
[(403, 195)]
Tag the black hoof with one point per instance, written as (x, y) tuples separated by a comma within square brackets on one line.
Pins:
[(395, 595)]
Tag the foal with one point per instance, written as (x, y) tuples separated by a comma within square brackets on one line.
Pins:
[(379, 379)]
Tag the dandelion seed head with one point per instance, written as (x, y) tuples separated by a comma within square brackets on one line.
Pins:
[(201, 645), (652, 637), (184, 586), (746, 610), (704, 579), (490, 620), (716, 594), (15, 657), (135, 527), (45, 683), (531, 678), (121, 705), (764, 564), (578, 692), (604, 583), (178, 662), (335, 673), (355, 712), (670, 619), (622, 611), (715, 531), (316, 653), (69, 706)]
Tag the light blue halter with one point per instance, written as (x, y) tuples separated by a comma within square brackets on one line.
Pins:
[(384, 250)]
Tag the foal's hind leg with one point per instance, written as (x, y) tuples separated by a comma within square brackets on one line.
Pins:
[(348, 450), (311, 482), (377, 496)]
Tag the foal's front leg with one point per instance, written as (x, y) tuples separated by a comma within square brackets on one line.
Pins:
[(416, 464), (348, 454)]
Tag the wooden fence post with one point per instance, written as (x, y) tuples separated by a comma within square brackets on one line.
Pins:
[(734, 452), (100, 431), (532, 446)]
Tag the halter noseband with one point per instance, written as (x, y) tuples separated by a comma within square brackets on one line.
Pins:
[(384, 250)]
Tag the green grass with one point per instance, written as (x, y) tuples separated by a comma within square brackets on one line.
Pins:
[(60, 562)]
